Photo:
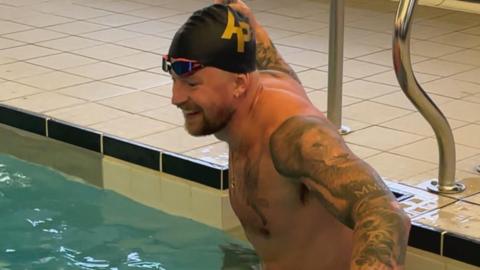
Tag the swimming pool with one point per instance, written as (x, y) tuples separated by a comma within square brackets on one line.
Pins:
[(52, 221)]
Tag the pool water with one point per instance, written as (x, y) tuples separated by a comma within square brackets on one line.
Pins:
[(49, 221)]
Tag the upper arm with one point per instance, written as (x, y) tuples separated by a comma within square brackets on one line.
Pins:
[(310, 149)]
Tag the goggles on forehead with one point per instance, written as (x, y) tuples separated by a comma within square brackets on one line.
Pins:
[(181, 66)]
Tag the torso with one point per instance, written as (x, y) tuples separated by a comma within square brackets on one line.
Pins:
[(286, 224)]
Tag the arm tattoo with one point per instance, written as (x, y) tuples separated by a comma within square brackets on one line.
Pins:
[(269, 58), (381, 236), (309, 148)]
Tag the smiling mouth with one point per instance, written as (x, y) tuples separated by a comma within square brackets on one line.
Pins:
[(190, 113)]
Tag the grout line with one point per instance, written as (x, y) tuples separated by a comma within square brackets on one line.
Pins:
[(442, 244), (101, 143), (221, 179), (161, 161), (47, 120)]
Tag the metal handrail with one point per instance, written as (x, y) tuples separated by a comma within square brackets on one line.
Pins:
[(335, 65), (420, 99)]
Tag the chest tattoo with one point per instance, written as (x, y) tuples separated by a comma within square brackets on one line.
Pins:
[(248, 188)]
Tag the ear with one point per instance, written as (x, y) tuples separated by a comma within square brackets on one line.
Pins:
[(241, 84)]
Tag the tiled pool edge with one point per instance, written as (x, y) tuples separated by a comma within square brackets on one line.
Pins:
[(133, 152), (422, 237)]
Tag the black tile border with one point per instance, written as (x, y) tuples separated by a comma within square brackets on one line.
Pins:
[(23, 120), (71, 134), (131, 152), (225, 182), (423, 237), (400, 195), (194, 170), (461, 248)]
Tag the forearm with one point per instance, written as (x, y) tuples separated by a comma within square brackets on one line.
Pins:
[(268, 57), (380, 226), (380, 235)]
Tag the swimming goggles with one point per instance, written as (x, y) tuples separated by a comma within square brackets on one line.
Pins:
[(181, 66)]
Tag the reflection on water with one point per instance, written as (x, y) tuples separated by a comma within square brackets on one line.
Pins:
[(75, 258), (237, 257), (49, 222)]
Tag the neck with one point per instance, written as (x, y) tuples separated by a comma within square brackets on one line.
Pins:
[(234, 133)]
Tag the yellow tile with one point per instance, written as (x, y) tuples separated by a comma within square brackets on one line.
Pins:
[(146, 186), (229, 219), (206, 206), (116, 176), (177, 197), (421, 260)]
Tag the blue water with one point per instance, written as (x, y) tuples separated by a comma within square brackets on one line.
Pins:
[(48, 221)]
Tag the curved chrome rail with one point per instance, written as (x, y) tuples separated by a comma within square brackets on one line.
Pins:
[(415, 93)]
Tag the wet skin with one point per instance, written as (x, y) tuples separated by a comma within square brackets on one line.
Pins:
[(288, 226), (303, 198)]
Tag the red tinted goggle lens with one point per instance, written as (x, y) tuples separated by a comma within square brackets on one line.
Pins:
[(181, 67)]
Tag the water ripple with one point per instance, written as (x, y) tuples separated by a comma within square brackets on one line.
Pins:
[(90, 263)]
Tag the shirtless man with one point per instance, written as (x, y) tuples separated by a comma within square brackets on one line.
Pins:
[(303, 198)]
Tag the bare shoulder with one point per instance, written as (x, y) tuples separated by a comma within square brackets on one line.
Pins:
[(277, 105), (302, 136), (279, 80)]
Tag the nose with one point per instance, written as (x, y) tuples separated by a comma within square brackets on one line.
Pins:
[(179, 94)]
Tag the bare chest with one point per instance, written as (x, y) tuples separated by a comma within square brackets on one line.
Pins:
[(259, 195)]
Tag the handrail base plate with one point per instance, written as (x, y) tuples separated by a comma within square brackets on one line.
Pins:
[(434, 187)]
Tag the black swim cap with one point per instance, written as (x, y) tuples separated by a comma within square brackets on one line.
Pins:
[(216, 36)]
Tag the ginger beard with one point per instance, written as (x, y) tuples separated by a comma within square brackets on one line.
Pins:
[(201, 122)]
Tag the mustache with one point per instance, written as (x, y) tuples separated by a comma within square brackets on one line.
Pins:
[(189, 107)]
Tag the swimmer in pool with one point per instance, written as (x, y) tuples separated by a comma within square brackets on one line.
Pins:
[(304, 200)]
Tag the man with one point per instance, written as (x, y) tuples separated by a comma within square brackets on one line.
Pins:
[(303, 198)]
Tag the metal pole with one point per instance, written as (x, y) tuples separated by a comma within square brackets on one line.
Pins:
[(335, 65), (413, 90)]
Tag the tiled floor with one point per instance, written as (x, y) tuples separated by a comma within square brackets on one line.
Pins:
[(97, 64)]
